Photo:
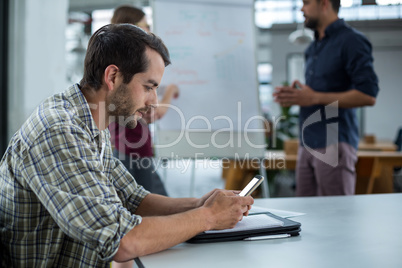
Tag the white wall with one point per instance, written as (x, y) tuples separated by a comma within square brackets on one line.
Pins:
[(37, 55), (384, 118)]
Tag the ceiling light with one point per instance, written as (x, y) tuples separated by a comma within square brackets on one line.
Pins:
[(301, 36)]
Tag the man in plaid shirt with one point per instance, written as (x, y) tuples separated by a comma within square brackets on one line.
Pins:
[(65, 201)]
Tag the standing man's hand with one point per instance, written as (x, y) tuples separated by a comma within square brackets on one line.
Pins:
[(296, 94)]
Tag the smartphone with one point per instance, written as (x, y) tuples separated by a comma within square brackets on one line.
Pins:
[(252, 185)]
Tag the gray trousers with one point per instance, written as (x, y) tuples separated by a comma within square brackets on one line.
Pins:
[(317, 178)]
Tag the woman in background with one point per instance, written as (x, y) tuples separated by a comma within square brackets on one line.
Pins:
[(134, 146)]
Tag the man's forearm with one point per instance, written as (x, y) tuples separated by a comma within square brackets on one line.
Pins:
[(348, 99), (218, 209), (158, 205), (155, 234)]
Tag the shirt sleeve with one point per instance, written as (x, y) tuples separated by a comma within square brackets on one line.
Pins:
[(359, 64), (63, 169)]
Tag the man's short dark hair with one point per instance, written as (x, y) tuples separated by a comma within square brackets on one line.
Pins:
[(336, 4), (123, 45)]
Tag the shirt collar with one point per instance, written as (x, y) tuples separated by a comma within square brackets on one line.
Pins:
[(81, 107), (332, 28)]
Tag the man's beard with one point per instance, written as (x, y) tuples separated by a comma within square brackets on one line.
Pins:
[(311, 23), (120, 108)]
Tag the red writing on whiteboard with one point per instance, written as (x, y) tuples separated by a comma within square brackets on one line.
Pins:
[(236, 33), (192, 82), (204, 33), (178, 71), (173, 32)]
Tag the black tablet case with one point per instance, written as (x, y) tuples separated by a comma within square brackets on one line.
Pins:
[(289, 227)]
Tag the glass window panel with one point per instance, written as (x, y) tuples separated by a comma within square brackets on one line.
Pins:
[(100, 18), (282, 16), (266, 98), (368, 13), (299, 17), (264, 72), (295, 67), (274, 4), (389, 12), (346, 3), (388, 2), (282, 4), (277, 12), (263, 19), (349, 13)]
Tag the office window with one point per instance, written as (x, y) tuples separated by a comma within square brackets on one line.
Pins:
[(268, 12), (77, 35), (100, 18), (388, 2), (264, 72)]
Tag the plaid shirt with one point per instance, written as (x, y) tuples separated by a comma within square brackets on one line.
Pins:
[(61, 204)]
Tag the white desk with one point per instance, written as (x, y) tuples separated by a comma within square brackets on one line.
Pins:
[(346, 231)]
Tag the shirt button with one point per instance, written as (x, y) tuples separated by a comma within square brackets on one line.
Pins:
[(311, 72)]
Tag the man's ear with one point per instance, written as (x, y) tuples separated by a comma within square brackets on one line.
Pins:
[(325, 4), (110, 76)]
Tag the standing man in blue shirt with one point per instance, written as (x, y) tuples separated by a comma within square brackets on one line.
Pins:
[(339, 77)]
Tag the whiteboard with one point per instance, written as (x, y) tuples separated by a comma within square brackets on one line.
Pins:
[(212, 49)]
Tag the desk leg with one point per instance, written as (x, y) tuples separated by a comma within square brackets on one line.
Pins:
[(381, 179), (364, 167), (375, 173), (386, 185)]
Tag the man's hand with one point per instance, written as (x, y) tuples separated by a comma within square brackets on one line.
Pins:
[(303, 95), (169, 221), (226, 208), (297, 94), (172, 91), (204, 198)]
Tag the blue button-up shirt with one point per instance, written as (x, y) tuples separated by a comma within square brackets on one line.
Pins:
[(341, 61)]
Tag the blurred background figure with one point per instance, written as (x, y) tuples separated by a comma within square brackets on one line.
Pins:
[(339, 76), (134, 146)]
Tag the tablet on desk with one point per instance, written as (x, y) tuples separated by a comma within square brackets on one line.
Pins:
[(256, 225)]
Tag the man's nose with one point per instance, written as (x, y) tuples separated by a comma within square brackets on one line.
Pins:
[(152, 98)]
